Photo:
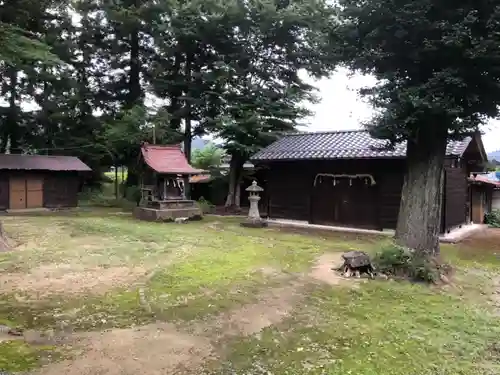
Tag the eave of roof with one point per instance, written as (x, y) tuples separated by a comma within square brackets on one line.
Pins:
[(55, 163), (167, 160), (349, 144)]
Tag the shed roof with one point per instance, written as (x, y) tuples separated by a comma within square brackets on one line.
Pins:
[(167, 159), (42, 162), (489, 178), (347, 144)]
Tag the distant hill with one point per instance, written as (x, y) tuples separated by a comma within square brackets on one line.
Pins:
[(495, 155)]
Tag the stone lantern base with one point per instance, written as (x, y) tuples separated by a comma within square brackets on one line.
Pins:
[(254, 223)]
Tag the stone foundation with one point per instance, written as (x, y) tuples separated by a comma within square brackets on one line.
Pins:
[(168, 211)]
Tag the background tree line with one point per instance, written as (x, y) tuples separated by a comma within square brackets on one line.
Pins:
[(76, 76)]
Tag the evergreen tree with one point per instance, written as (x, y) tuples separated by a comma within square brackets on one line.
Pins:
[(439, 69)]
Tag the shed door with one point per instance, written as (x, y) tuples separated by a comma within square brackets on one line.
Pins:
[(34, 192), (495, 204), (344, 202), (17, 193)]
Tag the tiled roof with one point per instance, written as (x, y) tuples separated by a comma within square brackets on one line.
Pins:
[(42, 162), (167, 159), (349, 144), (491, 178)]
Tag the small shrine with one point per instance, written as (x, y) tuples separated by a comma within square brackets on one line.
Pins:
[(162, 172)]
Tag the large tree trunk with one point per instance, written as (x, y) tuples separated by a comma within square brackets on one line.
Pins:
[(11, 141), (187, 153), (188, 131), (134, 83), (235, 173), (175, 92), (419, 217)]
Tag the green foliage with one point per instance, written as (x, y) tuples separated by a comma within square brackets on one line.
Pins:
[(493, 218), (207, 158), (437, 65), (206, 206), (18, 45), (104, 196), (399, 261), (133, 194), (229, 68)]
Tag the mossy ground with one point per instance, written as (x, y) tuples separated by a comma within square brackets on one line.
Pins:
[(196, 270)]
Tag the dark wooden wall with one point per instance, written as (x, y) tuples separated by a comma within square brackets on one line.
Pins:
[(290, 194), (4, 190), (455, 197), (390, 190), (60, 189), (290, 191)]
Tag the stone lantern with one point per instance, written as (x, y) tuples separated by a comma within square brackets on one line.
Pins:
[(254, 220)]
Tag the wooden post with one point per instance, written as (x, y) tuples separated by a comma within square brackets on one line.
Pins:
[(116, 181)]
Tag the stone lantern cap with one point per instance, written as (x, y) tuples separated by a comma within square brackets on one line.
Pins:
[(254, 188)]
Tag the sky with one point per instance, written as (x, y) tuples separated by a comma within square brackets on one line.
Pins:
[(341, 108)]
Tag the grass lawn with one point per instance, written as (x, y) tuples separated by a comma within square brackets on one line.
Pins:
[(99, 292)]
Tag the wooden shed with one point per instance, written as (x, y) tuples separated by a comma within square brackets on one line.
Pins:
[(348, 178), (484, 199), (36, 181)]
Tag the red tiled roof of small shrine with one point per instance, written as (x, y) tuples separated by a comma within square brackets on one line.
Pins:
[(167, 159)]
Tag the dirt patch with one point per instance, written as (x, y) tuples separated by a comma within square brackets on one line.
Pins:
[(482, 245), (154, 350), (270, 272), (69, 279), (272, 307), (324, 269), (330, 234)]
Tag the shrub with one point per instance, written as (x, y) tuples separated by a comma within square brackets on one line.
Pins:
[(393, 259), (493, 218), (133, 194), (97, 198), (206, 206), (399, 261)]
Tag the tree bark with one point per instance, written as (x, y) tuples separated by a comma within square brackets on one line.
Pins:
[(134, 83), (12, 138), (188, 130), (237, 191), (235, 173), (175, 92), (419, 219), (187, 153)]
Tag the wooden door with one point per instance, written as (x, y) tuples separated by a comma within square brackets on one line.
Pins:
[(34, 192), (17, 193), (477, 205), (323, 205), (362, 204), (344, 202)]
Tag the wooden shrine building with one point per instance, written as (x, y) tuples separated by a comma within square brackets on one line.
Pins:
[(348, 178), (162, 172)]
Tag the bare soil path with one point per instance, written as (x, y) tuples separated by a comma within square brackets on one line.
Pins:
[(165, 348)]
